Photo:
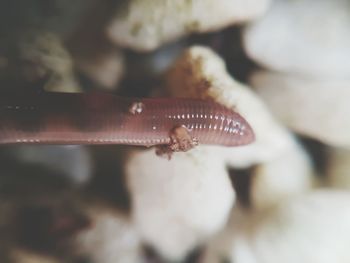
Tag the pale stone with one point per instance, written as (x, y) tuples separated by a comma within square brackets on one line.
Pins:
[(144, 25), (112, 238), (304, 37), (104, 67), (313, 228), (178, 204), (288, 175), (317, 108), (200, 73)]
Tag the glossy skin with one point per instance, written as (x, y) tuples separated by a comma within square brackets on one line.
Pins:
[(101, 118)]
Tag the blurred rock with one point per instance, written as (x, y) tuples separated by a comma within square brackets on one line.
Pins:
[(315, 108), (308, 229), (111, 238), (94, 55), (178, 204), (105, 69), (145, 25), (289, 174), (338, 168), (36, 60), (58, 16), (200, 73), (73, 162), (45, 57), (24, 256), (154, 63), (292, 38)]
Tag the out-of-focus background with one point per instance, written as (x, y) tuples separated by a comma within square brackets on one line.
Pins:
[(284, 65)]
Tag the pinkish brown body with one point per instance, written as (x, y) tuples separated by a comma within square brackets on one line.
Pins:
[(100, 118)]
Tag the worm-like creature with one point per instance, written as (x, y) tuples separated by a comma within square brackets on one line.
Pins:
[(102, 118)]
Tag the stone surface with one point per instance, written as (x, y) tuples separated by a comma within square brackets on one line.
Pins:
[(102, 63), (311, 228), (315, 108), (112, 238), (42, 56), (289, 174), (292, 38), (178, 204), (302, 37), (145, 25)]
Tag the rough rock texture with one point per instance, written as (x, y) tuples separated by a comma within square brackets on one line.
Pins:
[(311, 228), (302, 37), (316, 108), (200, 73), (112, 238), (178, 204), (145, 25)]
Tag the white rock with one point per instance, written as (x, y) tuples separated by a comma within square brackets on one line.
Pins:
[(112, 238), (289, 174), (338, 168), (200, 73), (178, 204), (304, 36), (313, 228), (144, 25), (105, 66), (316, 108)]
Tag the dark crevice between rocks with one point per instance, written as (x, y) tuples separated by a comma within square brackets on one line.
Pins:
[(108, 178), (152, 256), (228, 44), (318, 153), (241, 181)]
